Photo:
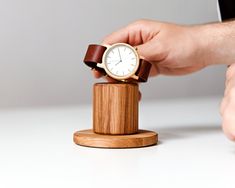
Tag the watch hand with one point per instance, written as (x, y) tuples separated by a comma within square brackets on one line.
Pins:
[(120, 55), (118, 63)]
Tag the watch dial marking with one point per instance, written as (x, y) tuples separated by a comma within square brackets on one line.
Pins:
[(121, 60)]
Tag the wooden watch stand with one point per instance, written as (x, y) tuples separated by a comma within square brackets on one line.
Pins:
[(115, 119)]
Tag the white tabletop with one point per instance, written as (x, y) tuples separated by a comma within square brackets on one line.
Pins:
[(36, 149)]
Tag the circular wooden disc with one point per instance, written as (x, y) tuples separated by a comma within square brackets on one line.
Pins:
[(91, 139)]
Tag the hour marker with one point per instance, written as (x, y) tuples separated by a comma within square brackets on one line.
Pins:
[(132, 65), (123, 73), (130, 52), (132, 58), (124, 49), (112, 51), (129, 70)]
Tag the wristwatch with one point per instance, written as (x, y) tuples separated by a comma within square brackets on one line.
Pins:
[(120, 61)]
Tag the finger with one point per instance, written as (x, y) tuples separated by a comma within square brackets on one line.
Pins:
[(134, 34), (230, 84), (228, 123), (109, 79), (96, 74), (228, 95), (154, 70), (152, 50), (227, 88), (176, 71), (118, 36), (230, 73), (228, 130), (223, 106)]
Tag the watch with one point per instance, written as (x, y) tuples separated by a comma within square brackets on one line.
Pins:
[(120, 61)]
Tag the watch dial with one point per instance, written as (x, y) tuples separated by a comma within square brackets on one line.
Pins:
[(121, 60)]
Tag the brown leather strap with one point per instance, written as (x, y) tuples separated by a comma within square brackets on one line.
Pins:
[(94, 55), (143, 70)]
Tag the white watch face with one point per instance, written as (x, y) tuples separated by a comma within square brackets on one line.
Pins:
[(121, 61)]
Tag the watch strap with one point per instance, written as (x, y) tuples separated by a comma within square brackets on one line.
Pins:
[(143, 70), (94, 56)]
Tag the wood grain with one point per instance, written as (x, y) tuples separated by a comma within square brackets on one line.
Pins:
[(141, 139), (115, 108)]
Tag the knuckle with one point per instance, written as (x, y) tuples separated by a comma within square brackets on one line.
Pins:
[(232, 136), (230, 72), (229, 131), (228, 122), (139, 23), (232, 95)]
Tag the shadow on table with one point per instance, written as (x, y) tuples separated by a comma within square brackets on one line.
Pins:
[(179, 132)]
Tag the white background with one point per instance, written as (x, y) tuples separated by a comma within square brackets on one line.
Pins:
[(37, 149)]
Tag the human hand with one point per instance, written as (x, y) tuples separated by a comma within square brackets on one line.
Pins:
[(172, 49), (227, 108)]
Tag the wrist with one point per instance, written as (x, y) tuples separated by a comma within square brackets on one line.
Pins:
[(216, 42), (205, 44)]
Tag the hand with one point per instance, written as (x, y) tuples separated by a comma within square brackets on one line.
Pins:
[(227, 108), (172, 49)]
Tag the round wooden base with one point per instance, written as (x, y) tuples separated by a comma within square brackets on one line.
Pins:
[(141, 139)]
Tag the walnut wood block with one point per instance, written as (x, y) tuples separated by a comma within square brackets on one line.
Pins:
[(115, 108), (91, 139)]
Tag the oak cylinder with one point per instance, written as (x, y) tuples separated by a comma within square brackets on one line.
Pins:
[(115, 108)]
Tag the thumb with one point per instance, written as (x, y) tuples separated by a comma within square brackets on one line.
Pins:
[(152, 51)]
